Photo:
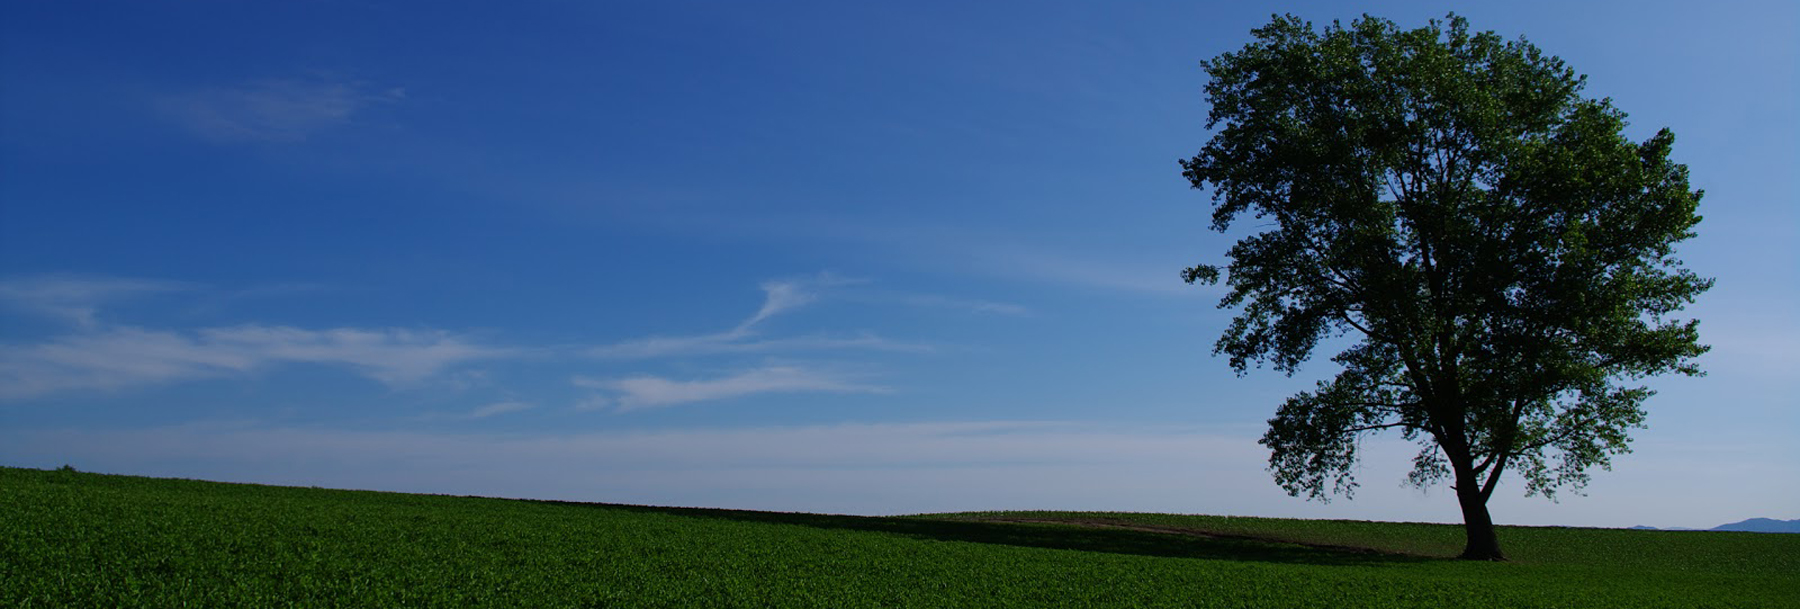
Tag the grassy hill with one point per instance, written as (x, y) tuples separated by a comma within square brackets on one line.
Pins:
[(70, 539)]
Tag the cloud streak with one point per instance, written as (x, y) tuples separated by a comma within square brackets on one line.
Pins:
[(97, 355), (73, 298), (779, 297), (101, 356), (1089, 273), (784, 295), (646, 391), (122, 357), (964, 304), (497, 408), (996, 253), (734, 343), (271, 110)]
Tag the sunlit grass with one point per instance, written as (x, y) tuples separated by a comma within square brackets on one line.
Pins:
[(72, 539)]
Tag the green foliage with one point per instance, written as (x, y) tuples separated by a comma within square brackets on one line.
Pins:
[(1502, 253), (92, 540)]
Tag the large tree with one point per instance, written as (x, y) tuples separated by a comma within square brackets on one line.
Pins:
[(1498, 254)]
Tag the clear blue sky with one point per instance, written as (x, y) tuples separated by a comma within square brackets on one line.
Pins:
[(828, 256)]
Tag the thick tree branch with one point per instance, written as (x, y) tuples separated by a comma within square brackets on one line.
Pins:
[(1364, 428), (1493, 478)]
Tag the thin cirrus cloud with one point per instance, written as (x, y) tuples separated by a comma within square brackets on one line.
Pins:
[(497, 408), (779, 297), (997, 253), (785, 295), (739, 343), (122, 357), (271, 110), (92, 353), (392, 356), (1088, 273), (646, 391), (76, 299), (95, 354), (965, 304)]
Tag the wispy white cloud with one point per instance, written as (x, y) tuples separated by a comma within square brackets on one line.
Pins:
[(111, 360), (120, 357), (667, 346), (497, 408), (1085, 272), (779, 297), (787, 294), (271, 110), (99, 355), (731, 342), (392, 356), (75, 298), (645, 391), (593, 401), (963, 304), (1145, 268)]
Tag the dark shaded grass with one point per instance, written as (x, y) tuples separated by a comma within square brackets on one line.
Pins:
[(1051, 536), (87, 540), (1773, 555)]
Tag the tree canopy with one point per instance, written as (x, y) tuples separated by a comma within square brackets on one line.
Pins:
[(1501, 252)]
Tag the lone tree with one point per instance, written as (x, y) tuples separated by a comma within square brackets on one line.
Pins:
[(1500, 252)]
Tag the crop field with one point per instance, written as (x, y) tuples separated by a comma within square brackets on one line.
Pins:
[(70, 539)]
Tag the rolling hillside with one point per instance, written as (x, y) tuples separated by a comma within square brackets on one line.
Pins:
[(77, 539)]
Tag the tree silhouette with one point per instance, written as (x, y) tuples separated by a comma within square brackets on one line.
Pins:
[(1502, 253)]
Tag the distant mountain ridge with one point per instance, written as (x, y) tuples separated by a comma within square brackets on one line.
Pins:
[(1762, 525), (1753, 525)]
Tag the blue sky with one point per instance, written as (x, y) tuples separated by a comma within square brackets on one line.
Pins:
[(845, 257)]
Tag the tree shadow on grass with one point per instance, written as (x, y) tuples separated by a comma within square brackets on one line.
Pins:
[(1082, 537)]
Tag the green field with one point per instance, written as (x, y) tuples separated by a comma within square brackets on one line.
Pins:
[(70, 539)]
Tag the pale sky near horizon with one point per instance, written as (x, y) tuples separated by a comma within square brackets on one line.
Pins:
[(868, 258)]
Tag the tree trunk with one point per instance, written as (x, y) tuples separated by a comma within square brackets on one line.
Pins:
[(1483, 544)]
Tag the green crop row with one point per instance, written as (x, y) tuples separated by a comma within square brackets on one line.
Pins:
[(70, 539)]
